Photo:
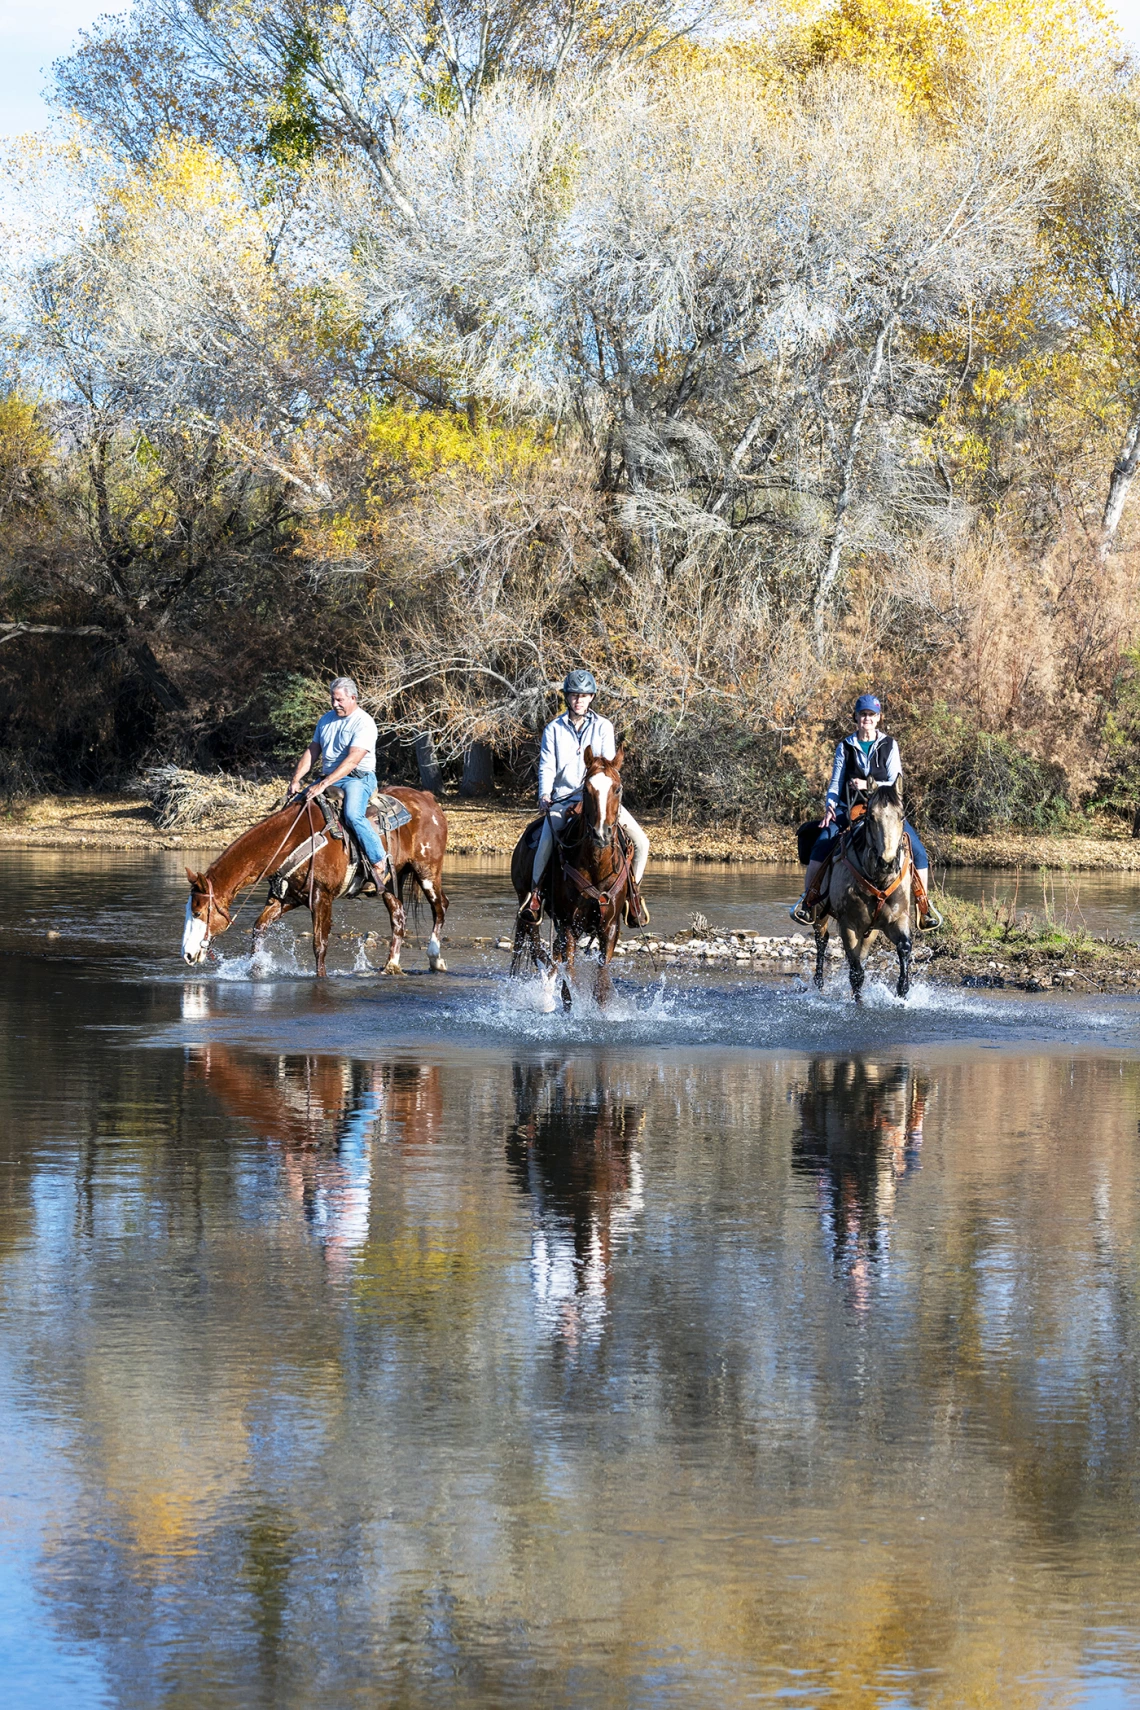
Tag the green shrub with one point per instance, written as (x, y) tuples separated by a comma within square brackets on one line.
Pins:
[(293, 703), (720, 775), (1117, 788), (989, 782)]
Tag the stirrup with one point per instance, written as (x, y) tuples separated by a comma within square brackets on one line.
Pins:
[(638, 917), (531, 909), (931, 920), (799, 911)]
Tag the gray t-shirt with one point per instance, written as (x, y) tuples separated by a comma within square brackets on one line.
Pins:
[(335, 736)]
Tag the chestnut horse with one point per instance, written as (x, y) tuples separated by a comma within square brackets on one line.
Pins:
[(870, 888), (586, 884), (415, 850)]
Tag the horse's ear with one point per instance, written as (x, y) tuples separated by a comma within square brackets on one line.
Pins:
[(195, 880), (589, 755), (896, 793), (619, 757)]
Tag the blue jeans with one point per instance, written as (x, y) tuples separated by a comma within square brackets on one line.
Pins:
[(826, 838), (358, 789)]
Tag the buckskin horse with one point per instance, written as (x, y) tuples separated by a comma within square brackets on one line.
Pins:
[(870, 888), (322, 873), (587, 883)]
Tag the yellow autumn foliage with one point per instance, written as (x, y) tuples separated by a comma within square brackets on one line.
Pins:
[(420, 444), (920, 46)]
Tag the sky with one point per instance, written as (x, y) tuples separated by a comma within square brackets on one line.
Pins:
[(33, 33)]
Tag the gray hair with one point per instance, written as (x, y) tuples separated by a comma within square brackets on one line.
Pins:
[(344, 683)]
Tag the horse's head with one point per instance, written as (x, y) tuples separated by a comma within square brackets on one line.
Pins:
[(601, 796), (205, 916), (884, 821)]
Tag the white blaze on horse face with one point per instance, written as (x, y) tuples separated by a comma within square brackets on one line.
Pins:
[(601, 782), (890, 829), (195, 936)]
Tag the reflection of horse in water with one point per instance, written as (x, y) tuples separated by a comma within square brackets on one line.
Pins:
[(324, 1112), (574, 1153), (859, 1136)]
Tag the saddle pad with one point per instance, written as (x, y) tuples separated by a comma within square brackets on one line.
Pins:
[(388, 813)]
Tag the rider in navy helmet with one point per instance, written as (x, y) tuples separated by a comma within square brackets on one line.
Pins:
[(864, 760), (561, 774)]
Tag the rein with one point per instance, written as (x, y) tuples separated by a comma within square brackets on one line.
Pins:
[(212, 901), (862, 878)]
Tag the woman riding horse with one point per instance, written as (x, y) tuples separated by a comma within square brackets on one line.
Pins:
[(863, 761), (561, 771)]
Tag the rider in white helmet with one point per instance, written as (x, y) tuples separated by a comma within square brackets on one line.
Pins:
[(561, 774)]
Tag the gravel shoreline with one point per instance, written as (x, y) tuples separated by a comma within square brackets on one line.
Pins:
[(1100, 966)]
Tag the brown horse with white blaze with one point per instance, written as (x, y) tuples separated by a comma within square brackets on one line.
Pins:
[(870, 888), (587, 884), (415, 852)]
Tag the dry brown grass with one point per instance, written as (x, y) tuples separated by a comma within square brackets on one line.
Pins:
[(183, 800)]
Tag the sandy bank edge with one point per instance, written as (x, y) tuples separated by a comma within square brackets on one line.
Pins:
[(491, 829)]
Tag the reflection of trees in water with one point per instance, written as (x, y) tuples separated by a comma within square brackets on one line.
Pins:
[(859, 1134), (574, 1152), (265, 1460), (324, 1113)]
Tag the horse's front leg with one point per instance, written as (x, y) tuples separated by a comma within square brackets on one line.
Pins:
[(898, 931), (821, 936), (269, 915), (322, 926), (396, 915), (603, 985), (528, 942), (853, 943), (567, 944), (272, 911)]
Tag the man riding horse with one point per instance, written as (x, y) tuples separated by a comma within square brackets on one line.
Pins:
[(344, 743), (561, 772), (864, 760)]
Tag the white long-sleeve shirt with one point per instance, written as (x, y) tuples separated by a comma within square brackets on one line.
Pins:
[(562, 758)]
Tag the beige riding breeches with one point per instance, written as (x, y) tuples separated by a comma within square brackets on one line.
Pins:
[(625, 819)]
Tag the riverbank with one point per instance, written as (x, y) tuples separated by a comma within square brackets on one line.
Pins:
[(490, 828)]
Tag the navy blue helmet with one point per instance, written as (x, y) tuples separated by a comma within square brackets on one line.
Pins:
[(579, 682)]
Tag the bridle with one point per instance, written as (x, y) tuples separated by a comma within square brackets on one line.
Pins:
[(212, 902), (606, 896), (213, 905), (879, 895)]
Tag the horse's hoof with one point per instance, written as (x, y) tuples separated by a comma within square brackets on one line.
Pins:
[(566, 998), (439, 966), (391, 967), (818, 982)]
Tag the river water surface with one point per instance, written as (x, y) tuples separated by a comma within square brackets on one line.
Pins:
[(395, 1343)]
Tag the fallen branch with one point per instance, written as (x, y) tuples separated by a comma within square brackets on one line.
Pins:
[(9, 631)]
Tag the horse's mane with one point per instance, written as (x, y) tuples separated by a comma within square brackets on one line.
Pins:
[(235, 849)]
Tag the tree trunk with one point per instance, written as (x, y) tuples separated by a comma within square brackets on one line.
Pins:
[(847, 472), (477, 770), (1120, 482), (431, 776)]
